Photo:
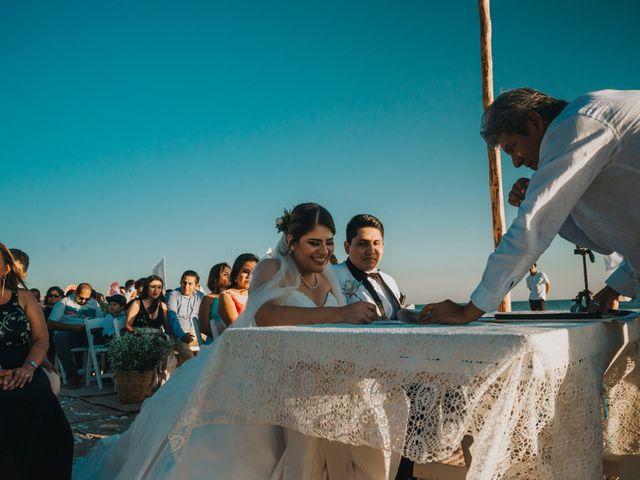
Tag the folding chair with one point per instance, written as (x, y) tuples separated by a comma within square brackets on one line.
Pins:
[(92, 365), (214, 329), (81, 371), (116, 326), (196, 329)]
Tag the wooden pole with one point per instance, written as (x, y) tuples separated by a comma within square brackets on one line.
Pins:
[(495, 167)]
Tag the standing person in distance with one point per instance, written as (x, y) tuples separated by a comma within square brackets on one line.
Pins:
[(539, 286)]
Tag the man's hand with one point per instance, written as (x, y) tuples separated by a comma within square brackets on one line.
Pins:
[(602, 300), (77, 327), (188, 338), (448, 312), (518, 191), (359, 312)]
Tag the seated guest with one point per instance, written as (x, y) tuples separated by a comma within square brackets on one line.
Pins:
[(117, 304), (233, 300), (183, 304), (21, 260), (130, 289), (218, 281), (36, 293), (359, 276), (53, 296), (36, 440), (67, 319), (148, 310)]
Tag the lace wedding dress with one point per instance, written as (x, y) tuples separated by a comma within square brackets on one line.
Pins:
[(226, 451)]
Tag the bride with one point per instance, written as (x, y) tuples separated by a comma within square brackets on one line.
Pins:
[(293, 288)]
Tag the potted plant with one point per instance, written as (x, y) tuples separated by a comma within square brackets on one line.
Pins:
[(133, 358)]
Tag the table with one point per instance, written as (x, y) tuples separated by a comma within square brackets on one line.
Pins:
[(530, 395)]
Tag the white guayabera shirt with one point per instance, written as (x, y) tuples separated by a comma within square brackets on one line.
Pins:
[(586, 188)]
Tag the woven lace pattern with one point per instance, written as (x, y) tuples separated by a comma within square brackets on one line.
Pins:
[(530, 396)]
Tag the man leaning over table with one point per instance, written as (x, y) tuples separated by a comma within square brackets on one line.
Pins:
[(67, 321), (586, 161), (359, 276)]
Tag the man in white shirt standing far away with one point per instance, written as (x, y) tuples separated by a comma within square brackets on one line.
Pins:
[(586, 160), (539, 286), (359, 276)]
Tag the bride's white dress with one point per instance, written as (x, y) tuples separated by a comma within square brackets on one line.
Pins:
[(248, 452)]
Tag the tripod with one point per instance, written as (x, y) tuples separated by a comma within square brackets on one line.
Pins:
[(584, 297)]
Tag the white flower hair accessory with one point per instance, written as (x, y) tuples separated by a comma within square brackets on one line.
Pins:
[(282, 222)]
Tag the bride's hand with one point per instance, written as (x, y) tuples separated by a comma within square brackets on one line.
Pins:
[(360, 312)]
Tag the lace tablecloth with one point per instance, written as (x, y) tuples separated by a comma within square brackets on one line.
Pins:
[(530, 395)]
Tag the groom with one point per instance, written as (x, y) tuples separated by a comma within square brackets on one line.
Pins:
[(359, 276)]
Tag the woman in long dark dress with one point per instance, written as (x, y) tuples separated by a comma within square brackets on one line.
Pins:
[(35, 437)]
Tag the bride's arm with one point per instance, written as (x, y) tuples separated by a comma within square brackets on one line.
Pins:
[(266, 278), (271, 315)]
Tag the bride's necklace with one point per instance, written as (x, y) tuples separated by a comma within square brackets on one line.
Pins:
[(304, 282)]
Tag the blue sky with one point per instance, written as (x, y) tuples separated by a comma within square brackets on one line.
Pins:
[(136, 130)]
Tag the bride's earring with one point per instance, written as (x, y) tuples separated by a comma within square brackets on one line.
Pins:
[(4, 280), (290, 250)]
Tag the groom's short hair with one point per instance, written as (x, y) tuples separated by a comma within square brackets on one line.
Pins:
[(362, 220)]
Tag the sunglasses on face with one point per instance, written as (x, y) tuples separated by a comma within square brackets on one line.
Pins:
[(82, 299), (53, 295)]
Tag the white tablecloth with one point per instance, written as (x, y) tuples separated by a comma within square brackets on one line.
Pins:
[(530, 395)]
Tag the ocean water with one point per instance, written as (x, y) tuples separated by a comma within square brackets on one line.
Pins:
[(561, 305)]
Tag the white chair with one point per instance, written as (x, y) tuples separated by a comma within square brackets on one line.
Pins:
[(214, 329), (116, 326), (81, 371), (92, 365), (196, 332)]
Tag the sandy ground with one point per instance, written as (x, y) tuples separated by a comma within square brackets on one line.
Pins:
[(94, 414)]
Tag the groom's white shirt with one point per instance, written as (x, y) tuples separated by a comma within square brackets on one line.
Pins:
[(353, 291)]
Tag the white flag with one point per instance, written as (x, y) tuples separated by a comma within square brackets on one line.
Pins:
[(161, 271)]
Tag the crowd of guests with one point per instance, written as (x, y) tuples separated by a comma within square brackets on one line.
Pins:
[(186, 314)]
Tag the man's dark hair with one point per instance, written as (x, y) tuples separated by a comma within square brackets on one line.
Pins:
[(22, 257), (129, 283), (190, 273), (508, 112), (362, 220)]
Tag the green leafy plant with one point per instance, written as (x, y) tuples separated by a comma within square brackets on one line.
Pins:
[(139, 351)]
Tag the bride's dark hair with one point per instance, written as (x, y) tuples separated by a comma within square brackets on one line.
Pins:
[(305, 217)]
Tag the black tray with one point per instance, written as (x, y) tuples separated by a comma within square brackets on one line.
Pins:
[(561, 315)]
